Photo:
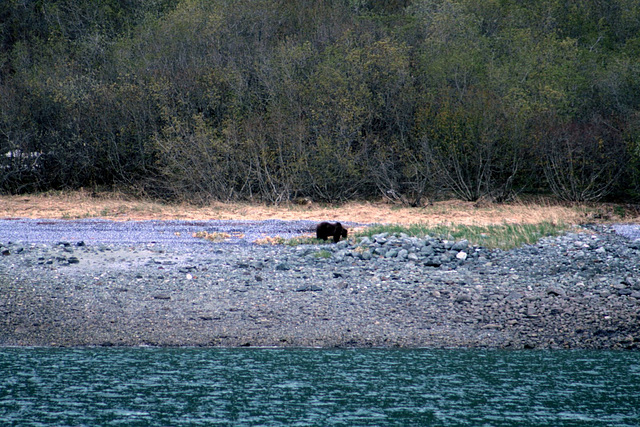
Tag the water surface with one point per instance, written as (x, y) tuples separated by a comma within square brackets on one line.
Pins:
[(147, 387)]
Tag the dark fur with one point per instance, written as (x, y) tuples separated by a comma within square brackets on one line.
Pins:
[(326, 229)]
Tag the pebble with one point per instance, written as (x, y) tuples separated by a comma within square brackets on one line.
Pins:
[(561, 292)]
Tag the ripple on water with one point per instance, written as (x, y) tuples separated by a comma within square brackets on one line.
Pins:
[(318, 387)]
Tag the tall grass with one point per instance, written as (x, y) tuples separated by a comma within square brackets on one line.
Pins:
[(504, 236)]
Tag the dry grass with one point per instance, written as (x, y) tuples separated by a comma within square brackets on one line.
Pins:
[(268, 240), (214, 237), (81, 204)]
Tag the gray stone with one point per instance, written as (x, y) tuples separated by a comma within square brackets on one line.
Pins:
[(514, 295), (460, 246), (554, 290), (365, 241), (342, 244), (492, 326), (446, 257), (342, 254), (380, 251), (380, 239), (309, 288), (433, 262), (427, 250), (437, 245), (464, 298)]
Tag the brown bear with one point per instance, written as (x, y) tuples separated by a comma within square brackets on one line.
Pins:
[(326, 229)]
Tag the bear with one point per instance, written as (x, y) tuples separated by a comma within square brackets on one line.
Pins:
[(326, 229)]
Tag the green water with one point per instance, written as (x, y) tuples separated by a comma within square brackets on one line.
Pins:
[(272, 387)]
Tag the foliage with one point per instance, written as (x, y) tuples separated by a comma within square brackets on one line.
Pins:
[(583, 161), (330, 100), (322, 254)]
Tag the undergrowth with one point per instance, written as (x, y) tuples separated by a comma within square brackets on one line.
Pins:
[(304, 240)]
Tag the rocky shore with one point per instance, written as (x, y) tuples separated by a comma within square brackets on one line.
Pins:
[(579, 290)]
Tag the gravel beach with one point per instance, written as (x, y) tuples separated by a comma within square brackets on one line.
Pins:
[(152, 283)]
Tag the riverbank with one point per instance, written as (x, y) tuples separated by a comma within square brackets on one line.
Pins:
[(580, 290)]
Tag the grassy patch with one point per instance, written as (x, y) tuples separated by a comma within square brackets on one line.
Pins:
[(505, 236), (214, 237), (293, 241), (322, 254), (303, 240)]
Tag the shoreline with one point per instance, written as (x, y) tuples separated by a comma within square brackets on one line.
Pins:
[(577, 291)]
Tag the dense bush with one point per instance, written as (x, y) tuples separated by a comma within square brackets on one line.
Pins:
[(330, 100)]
